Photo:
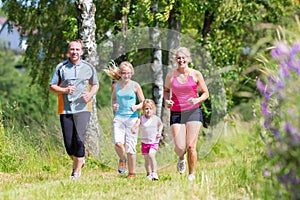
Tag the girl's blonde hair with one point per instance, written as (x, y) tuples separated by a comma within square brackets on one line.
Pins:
[(115, 72), (150, 103)]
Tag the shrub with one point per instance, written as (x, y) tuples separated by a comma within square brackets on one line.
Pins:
[(281, 116)]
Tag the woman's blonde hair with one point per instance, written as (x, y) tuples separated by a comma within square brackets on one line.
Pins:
[(115, 72), (150, 103), (185, 51)]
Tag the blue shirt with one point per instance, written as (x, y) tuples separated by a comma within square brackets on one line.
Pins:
[(126, 98)]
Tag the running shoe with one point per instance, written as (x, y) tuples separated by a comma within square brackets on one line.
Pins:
[(191, 177), (154, 176), (75, 175), (131, 176), (122, 166), (181, 166), (149, 177)]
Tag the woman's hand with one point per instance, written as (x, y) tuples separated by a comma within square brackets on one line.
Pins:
[(194, 101), (169, 103)]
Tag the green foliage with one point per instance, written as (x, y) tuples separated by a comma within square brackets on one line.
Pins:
[(44, 23), (71, 30)]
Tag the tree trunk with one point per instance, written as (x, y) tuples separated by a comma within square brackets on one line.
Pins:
[(156, 66), (119, 54), (217, 89), (173, 42), (87, 27)]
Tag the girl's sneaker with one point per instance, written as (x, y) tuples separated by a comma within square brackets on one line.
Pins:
[(154, 176), (122, 166), (149, 177), (131, 176)]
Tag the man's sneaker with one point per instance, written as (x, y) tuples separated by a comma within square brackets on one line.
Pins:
[(149, 177), (181, 166), (75, 175), (191, 177), (154, 176), (122, 166)]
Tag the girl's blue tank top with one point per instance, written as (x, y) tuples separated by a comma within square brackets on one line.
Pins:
[(126, 98)]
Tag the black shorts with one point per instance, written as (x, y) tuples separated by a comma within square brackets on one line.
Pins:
[(74, 127), (186, 116)]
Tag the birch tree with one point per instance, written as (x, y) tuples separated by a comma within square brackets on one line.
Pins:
[(156, 65), (87, 29)]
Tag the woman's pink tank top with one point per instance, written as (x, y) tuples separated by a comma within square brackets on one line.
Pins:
[(181, 92)]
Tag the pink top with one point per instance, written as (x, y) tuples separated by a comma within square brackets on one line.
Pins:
[(181, 92)]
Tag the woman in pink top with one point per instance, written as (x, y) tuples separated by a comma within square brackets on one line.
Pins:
[(186, 115)]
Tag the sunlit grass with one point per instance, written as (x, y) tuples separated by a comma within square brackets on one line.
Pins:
[(230, 171)]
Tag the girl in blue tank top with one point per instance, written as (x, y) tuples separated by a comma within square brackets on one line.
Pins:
[(125, 93)]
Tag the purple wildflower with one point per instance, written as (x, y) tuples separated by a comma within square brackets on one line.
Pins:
[(288, 128), (296, 181), (260, 86), (294, 51), (291, 64), (270, 153), (280, 50), (263, 89), (298, 70), (276, 132), (291, 112), (296, 139), (266, 173), (264, 108), (285, 72)]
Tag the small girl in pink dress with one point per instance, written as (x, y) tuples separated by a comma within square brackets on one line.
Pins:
[(151, 127)]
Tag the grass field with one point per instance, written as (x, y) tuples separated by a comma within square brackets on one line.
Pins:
[(232, 170)]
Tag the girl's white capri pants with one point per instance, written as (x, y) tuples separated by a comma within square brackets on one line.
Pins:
[(122, 133)]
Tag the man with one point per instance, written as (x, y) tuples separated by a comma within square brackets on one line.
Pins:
[(75, 82)]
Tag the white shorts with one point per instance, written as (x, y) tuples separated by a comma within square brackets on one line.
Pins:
[(122, 133)]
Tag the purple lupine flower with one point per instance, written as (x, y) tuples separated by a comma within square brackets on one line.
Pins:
[(280, 84), (298, 69), (260, 86), (280, 50), (296, 181), (284, 70), (294, 50), (291, 64), (270, 153), (289, 129), (264, 108), (296, 139), (266, 173), (291, 112), (275, 131), (267, 124), (263, 89), (276, 115)]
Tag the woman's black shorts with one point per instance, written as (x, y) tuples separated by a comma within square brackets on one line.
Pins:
[(186, 116)]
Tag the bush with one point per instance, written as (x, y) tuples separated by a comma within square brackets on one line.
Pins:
[(281, 113)]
